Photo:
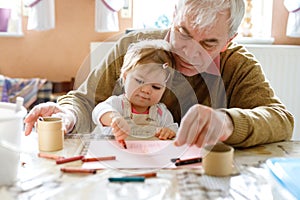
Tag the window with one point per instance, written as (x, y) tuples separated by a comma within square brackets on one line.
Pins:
[(256, 26), (11, 18), (159, 14), (153, 13)]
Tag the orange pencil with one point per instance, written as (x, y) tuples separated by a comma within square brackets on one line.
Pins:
[(71, 159), (98, 159), (78, 170), (146, 175)]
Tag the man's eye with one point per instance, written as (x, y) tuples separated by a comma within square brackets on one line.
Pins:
[(155, 87), (184, 35), (139, 81), (208, 46)]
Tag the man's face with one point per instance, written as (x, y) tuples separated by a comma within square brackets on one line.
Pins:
[(194, 50)]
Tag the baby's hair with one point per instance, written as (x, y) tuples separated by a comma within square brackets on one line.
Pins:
[(147, 51)]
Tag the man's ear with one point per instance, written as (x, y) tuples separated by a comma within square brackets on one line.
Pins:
[(230, 39), (123, 79), (124, 76)]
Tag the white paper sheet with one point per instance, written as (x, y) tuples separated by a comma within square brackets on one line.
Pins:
[(154, 154)]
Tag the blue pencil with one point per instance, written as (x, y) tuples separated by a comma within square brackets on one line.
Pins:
[(127, 179)]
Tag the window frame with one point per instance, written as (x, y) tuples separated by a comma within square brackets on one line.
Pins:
[(15, 28)]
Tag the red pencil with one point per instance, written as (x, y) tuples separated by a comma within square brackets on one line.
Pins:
[(78, 170), (122, 142), (71, 159)]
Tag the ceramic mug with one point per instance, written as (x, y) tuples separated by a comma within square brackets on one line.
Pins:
[(218, 160), (50, 134), (11, 129)]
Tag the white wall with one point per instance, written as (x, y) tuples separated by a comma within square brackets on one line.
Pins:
[(281, 66)]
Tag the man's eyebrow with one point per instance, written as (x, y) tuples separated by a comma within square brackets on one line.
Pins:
[(209, 40)]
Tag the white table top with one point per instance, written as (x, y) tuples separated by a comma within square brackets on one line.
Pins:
[(40, 178)]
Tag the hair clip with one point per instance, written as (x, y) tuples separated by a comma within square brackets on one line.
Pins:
[(165, 66)]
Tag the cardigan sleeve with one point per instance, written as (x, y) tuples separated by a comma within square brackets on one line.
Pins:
[(258, 115)]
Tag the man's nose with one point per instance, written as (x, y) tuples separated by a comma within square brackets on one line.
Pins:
[(192, 50)]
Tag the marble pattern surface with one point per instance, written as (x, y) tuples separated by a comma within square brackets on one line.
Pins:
[(40, 178)]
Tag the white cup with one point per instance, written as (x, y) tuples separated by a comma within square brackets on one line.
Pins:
[(218, 160), (50, 134), (11, 128)]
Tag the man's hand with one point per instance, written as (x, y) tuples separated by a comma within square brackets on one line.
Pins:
[(46, 110), (203, 125)]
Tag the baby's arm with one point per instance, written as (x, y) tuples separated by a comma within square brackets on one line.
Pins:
[(106, 118), (107, 113), (105, 108), (119, 125), (169, 127)]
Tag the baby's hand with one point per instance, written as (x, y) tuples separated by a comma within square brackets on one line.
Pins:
[(165, 133), (120, 127)]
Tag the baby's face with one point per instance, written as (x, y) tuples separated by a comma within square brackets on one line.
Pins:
[(145, 85)]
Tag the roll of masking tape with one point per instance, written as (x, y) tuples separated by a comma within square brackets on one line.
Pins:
[(50, 134), (218, 160)]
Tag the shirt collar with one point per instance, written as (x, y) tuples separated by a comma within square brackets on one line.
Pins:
[(133, 110), (214, 67)]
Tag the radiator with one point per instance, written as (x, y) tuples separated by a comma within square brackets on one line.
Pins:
[(280, 64)]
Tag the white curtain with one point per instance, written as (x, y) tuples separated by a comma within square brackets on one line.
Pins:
[(293, 24), (41, 16), (106, 15)]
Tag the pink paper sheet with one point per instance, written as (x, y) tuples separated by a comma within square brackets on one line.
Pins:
[(154, 154)]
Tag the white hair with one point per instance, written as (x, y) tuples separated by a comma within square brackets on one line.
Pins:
[(202, 13)]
